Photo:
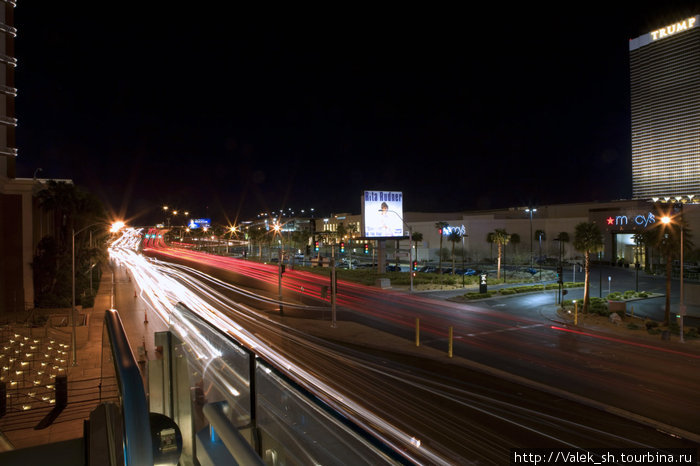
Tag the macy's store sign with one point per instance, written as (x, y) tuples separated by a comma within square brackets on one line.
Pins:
[(634, 221)]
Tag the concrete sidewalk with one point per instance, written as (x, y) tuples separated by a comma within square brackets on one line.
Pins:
[(84, 378)]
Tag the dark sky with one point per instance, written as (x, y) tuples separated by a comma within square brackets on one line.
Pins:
[(229, 113)]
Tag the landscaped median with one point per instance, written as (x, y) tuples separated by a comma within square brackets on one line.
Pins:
[(428, 281), (601, 315), (515, 290)]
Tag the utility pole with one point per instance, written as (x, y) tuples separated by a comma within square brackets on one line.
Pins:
[(280, 269), (334, 290)]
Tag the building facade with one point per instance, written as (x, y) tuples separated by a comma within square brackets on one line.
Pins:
[(665, 103)]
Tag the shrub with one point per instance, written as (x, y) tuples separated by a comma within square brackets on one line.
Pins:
[(508, 291), (653, 330), (674, 328), (633, 326), (643, 294), (475, 295), (629, 294), (692, 333), (649, 324), (615, 296)]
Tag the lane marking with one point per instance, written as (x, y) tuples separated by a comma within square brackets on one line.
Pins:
[(509, 329)]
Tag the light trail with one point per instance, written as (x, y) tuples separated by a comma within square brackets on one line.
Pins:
[(626, 342), (385, 398), (162, 292)]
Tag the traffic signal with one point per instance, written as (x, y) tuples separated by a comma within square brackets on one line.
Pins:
[(316, 246), (560, 278), (366, 248), (415, 265), (342, 246)]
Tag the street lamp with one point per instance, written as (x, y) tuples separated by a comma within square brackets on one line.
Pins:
[(114, 227), (531, 211), (666, 220)]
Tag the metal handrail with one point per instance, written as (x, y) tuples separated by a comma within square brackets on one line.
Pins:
[(138, 448)]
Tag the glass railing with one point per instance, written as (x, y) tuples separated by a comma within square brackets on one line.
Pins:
[(236, 406), (122, 418)]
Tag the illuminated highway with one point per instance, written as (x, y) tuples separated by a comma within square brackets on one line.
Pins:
[(655, 382), (435, 412)]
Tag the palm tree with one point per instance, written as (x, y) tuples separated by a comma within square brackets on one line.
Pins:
[(489, 239), (666, 239), (455, 236), (440, 227), (587, 239), (515, 240), (417, 237), (501, 238), (563, 239)]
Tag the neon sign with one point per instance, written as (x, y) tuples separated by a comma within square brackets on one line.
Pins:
[(448, 229), (640, 220), (673, 29)]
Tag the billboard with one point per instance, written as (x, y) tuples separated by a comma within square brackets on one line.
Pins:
[(382, 214), (199, 223)]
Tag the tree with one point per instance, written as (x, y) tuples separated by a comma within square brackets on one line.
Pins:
[(440, 226), (417, 237), (341, 231), (501, 238), (666, 238), (74, 210), (515, 240), (256, 236), (489, 239), (454, 237), (587, 239), (563, 238)]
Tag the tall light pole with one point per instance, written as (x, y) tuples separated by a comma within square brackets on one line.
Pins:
[(115, 227), (666, 220), (531, 211)]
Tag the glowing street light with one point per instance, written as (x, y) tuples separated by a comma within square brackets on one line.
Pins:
[(531, 211)]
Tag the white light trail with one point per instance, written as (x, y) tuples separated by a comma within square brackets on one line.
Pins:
[(162, 287)]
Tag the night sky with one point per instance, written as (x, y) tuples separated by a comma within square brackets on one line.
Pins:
[(229, 113)]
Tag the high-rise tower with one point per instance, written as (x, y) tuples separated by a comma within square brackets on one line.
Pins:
[(8, 150), (665, 95)]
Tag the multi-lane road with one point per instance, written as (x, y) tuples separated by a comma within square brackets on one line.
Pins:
[(653, 384)]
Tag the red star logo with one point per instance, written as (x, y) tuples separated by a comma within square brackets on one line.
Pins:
[(610, 220)]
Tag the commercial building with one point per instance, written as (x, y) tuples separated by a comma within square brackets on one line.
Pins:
[(665, 102), (534, 231), (22, 222)]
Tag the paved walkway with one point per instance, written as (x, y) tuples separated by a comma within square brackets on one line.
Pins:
[(84, 378)]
